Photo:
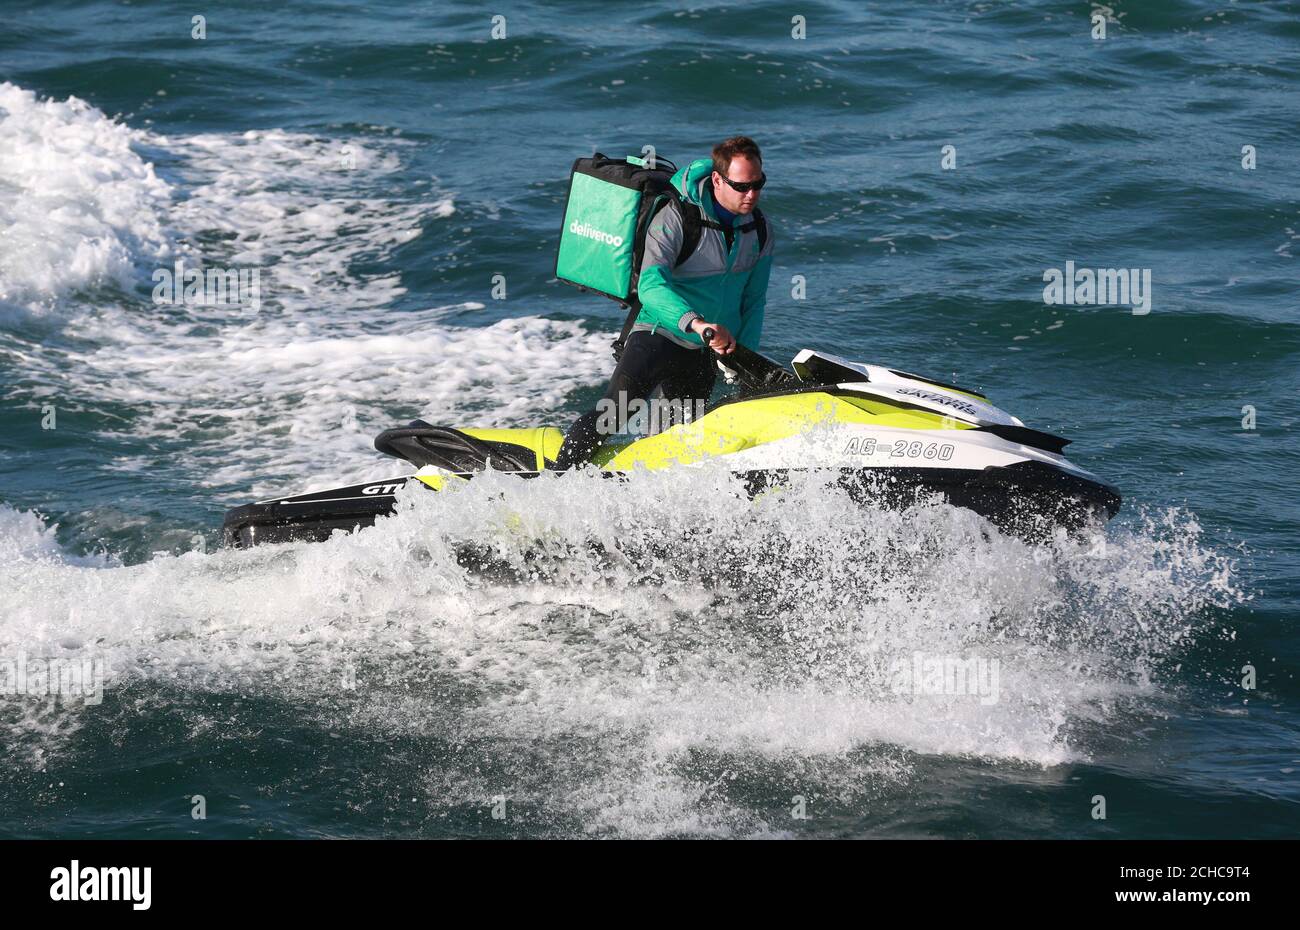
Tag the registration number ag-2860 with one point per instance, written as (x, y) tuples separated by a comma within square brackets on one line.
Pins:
[(902, 448)]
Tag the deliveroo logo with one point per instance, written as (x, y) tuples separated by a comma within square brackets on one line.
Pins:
[(591, 232)]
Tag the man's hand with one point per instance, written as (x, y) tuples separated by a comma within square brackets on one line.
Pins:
[(723, 342)]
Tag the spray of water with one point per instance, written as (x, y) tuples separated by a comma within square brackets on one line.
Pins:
[(615, 655)]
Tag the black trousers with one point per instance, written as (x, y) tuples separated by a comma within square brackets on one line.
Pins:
[(649, 361)]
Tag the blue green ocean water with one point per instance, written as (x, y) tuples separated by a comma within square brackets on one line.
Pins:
[(384, 165)]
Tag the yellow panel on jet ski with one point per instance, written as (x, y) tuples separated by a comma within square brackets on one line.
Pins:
[(544, 441), (738, 426), (726, 430), (729, 429)]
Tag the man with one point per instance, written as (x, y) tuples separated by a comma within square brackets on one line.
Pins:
[(721, 286)]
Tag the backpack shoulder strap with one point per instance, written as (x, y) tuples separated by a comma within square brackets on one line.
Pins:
[(693, 224), (692, 227), (662, 201)]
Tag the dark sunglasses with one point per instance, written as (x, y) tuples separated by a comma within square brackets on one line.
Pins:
[(744, 187)]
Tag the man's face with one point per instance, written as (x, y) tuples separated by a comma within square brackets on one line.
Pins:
[(740, 170)]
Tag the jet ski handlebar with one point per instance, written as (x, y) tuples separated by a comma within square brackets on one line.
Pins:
[(756, 372)]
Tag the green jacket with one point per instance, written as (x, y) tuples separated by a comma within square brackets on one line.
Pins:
[(727, 286)]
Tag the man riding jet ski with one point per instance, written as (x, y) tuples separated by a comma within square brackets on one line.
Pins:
[(693, 253), (887, 435), (689, 255)]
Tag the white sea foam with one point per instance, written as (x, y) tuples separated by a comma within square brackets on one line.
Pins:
[(252, 403), (707, 628), (78, 206), (27, 537)]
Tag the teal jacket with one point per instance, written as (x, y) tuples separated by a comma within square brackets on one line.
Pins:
[(727, 286)]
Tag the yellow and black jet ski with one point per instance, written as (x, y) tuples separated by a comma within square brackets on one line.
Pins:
[(887, 435)]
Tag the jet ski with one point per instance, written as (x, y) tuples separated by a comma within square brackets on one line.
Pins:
[(888, 436)]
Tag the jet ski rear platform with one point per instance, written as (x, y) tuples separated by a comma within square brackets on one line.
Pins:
[(312, 517), (317, 515)]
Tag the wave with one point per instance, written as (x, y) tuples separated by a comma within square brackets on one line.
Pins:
[(648, 625), (80, 207), (228, 395)]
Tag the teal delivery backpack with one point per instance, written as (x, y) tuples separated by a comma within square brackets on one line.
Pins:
[(610, 203)]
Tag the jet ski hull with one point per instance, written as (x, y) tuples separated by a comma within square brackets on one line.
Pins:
[(1026, 499)]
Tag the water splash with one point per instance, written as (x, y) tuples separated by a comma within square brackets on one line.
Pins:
[(641, 650)]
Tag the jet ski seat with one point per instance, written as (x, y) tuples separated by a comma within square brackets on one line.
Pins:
[(422, 444)]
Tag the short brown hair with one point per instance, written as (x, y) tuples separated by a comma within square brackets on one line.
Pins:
[(725, 151)]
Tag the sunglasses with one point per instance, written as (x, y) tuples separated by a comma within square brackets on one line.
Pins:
[(744, 187)]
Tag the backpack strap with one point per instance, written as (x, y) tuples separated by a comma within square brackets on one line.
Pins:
[(693, 222), (693, 225), (691, 231), (760, 221)]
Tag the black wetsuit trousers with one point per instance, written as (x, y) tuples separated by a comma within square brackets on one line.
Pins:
[(649, 361)]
